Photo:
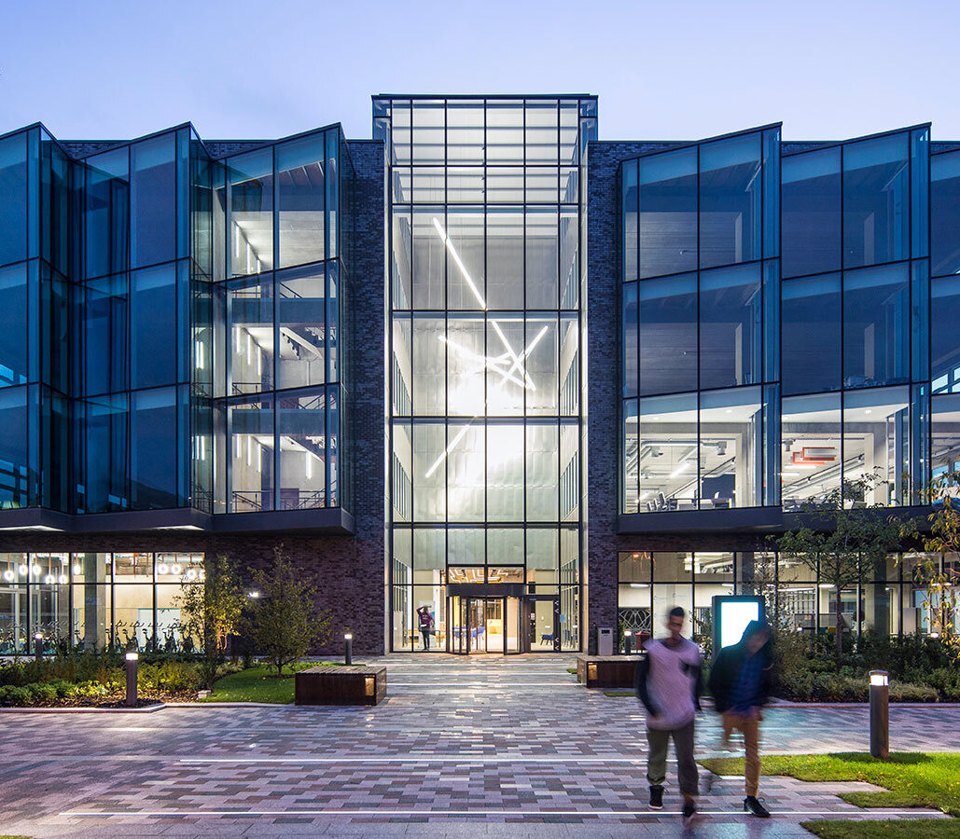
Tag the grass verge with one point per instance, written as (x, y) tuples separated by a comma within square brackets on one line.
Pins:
[(886, 829), (258, 684), (913, 779)]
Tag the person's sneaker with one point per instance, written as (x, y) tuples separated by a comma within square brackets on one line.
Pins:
[(689, 811), (751, 804), (656, 798)]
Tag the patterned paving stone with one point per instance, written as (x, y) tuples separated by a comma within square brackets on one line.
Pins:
[(490, 748)]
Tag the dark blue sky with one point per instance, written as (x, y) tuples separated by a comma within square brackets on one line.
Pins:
[(667, 69)]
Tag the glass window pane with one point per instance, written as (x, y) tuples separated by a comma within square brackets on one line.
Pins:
[(429, 258), (153, 450), (730, 318), (730, 446), (251, 455), (14, 355), (505, 546), (301, 322), (630, 339), (466, 546), (153, 201), (542, 258), (876, 201), (629, 445), (668, 453), (504, 259), (300, 185), (303, 450), (668, 213), (504, 185), (539, 365), (944, 336), (153, 326), (105, 467), (466, 365), (945, 435), (105, 345), (465, 132), (811, 446), (569, 258), (505, 444), (250, 318), (876, 326), (945, 214), (541, 123), (505, 132), (16, 476), (876, 426), (13, 206), (250, 221), (811, 212), (629, 213), (542, 472), (668, 334), (429, 361), (730, 201), (810, 334), (106, 212), (465, 260), (465, 472), (429, 472)]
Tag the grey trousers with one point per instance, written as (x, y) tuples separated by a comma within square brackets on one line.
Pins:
[(657, 760)]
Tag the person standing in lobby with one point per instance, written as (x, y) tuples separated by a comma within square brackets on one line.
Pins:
[(669, 686)]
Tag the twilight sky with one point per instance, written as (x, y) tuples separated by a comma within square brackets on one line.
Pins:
[(663, 69)]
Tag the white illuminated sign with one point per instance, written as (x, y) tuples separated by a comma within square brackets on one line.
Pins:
[(734, 617)]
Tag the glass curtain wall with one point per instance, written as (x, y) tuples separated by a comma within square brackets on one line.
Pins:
[(35, 178), (485, 336), (272, 316), (886, 599), (856, 310), (133, 376), (700, 400), (93, 601)]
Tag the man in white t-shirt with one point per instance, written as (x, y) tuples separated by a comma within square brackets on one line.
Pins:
[(669, 685)]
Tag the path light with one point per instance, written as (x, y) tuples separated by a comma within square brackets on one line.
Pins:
[(133, 658), (348, 648), (38, 645), (627, 641), (880, 714), (253, 595)]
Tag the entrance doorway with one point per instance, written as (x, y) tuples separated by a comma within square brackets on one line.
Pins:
[(503, 625)]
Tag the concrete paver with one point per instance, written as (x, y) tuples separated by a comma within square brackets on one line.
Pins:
[(488, 747)]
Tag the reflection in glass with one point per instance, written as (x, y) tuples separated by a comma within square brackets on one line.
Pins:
[(730, 201), (876, 201), (13, 207), (730, 333), (668, 213), (810, 334), (668, 334), (876, 326), (153, 201), (945, 214), (811, 212)]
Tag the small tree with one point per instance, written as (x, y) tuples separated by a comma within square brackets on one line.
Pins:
[(211, 611), (838, 541), (942, 583), (285, 622)]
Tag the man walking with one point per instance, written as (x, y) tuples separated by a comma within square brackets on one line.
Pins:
[(668, 684), (740, 683)]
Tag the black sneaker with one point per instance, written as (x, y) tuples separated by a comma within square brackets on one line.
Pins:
[(752, 805), (689, 811), (656, 798)]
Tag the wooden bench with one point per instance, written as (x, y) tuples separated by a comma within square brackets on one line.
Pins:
[(354, 685), (617, 671)]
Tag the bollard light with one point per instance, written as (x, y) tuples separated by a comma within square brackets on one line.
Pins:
[(348, 648), (880, 714), (132, 662), (627, 641), (253, 595), (38, 645)]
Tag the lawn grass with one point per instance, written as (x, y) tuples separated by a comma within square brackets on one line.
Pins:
[(913, 779), (886, 829), (259, 684)]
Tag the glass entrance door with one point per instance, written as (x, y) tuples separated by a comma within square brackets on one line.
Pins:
[(484, 625)]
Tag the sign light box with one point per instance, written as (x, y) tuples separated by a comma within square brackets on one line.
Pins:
[(731, 614)]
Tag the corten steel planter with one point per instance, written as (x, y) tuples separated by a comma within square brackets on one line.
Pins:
[(617, 671), (354, 685)]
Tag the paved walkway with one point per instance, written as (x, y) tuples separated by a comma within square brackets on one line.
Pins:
[(483, 747)]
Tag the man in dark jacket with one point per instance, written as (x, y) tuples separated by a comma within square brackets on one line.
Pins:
[(740, 682)]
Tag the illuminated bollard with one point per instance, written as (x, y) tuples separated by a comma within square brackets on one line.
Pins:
[(38, 646), (348, 648), (627, 641), (879, 714), (132, 660)]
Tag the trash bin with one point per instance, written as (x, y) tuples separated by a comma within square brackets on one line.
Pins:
[(604, 640)]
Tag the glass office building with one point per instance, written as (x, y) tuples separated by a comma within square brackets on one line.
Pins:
[(483, 365)]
